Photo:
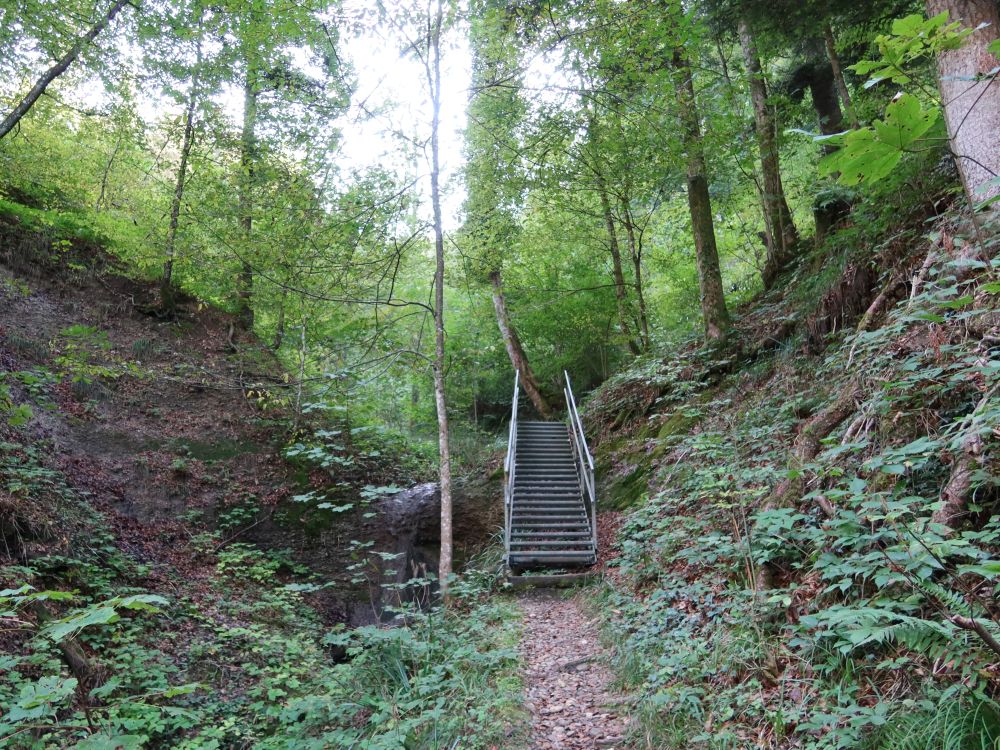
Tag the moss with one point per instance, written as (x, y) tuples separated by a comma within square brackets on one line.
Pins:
[(626, 490), (677, 425)]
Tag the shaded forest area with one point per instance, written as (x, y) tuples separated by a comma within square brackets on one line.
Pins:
[(261, 304)]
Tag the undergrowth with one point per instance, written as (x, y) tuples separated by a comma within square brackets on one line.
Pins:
[(852, 614), (100, 651)]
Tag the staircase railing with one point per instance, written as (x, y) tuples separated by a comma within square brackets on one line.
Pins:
[(584, 460), (510, 466)]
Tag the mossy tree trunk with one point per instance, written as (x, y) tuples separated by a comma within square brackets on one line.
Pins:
[(781, 235), (518, 359), (715, 314)]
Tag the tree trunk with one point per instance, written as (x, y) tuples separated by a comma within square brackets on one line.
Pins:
[(715, 315), (434, 81), (825, 100), (971, 99), (958, 490), (838, 76), (11, 120), (248, 155), (635, 251), (515, 351), (616, 266), (119, 142), (279, 328), (167, 296), (781, 235)]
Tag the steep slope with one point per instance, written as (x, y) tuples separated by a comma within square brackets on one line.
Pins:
[(176, 570), (808, 551)]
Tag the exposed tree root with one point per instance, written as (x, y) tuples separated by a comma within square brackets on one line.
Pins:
[(88, 674), (958, 490), (808, 443)]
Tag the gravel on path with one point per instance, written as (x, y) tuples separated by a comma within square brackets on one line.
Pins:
[(569, 697)]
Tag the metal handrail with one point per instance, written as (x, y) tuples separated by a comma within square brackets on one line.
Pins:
[(510, 465), (585, 461)]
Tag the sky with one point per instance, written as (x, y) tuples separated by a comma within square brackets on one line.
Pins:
[(395, 85)]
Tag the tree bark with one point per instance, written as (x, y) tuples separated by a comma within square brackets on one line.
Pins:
[(119, 142), (635, 251), (715, 315), (616, 265), (167, 295), (825, 100), (958, 490), (971, 99), (248, 155), (434, 81), (781, 235), (808, 443), (11, 120), (838, 76), (515, 351)]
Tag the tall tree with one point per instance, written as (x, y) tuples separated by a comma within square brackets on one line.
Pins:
[(971, 94), (167, 289), (493, 179), (62, 65), (779, 227), (269, 39), (515, 351), (432, 66), (714, 313)]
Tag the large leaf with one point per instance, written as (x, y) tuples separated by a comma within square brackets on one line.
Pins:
[(905, 122), (869, 154)]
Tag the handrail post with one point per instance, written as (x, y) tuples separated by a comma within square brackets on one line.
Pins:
[(584, 458), (510, 466)]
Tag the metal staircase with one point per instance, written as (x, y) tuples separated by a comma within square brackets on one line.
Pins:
[(550, 508)]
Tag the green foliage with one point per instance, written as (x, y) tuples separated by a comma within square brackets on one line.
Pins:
[(913, 120), (871, 153)]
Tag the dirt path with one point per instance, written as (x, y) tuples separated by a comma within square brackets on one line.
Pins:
[(569, 695)]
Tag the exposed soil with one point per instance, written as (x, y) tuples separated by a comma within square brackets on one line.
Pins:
[(569, 693), (182, 427)]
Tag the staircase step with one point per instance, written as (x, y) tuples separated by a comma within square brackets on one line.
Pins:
[(527, 502), (532, 507), (526, 558), (555, 495), (521, 527)]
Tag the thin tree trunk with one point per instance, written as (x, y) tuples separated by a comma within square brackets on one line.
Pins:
[(515, 351), (971, 97), (616, 266), (248, 155), (838, 76), (715, 315), (167, 296), (635, 251), (279, 329), (434, 79), (11, 120), (781, 235), (107, 173)]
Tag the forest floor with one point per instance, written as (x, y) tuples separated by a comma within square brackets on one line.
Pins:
[(568, 683)]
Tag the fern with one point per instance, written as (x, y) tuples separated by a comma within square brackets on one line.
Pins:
[(947, 725)]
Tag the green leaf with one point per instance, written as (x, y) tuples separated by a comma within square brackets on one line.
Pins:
[(112, 742), (958, 302), (67, 626), (39, 699), (905, 122)]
